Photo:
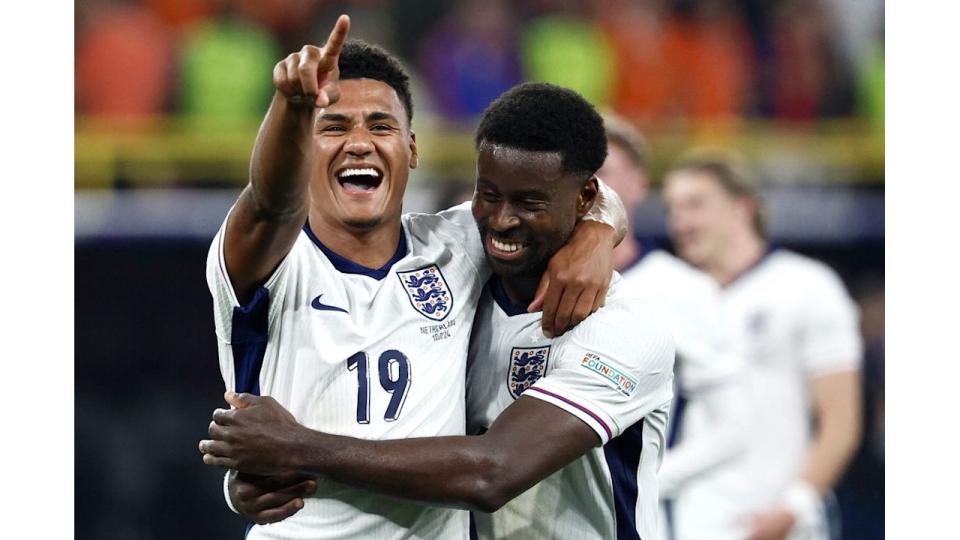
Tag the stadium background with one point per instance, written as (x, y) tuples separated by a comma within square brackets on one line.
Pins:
[(169, 94)]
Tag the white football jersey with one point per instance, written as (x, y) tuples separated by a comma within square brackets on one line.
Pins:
[(367, 353), (689, 301), (796, 322), (614, 372)]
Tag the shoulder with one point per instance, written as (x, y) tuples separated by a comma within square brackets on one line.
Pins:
[(626, 327), (661, 274), (805, 273), (457, 219)]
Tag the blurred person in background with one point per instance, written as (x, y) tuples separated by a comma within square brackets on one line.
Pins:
[(563, 44), (678, 61), (803, 350), (315, 270), (124, 61), (222, 60), (470, 57), (708, 416)]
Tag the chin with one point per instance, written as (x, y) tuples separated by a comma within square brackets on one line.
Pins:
[(521, 267), (363, 223)]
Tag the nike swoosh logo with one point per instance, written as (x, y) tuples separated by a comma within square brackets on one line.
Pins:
[(316, 304)]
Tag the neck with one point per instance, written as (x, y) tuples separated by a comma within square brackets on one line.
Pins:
[(521, 289), (626, 252), (372, 248), (744, 252)]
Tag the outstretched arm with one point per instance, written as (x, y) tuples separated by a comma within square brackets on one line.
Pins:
[(273, 207), (478, 473)]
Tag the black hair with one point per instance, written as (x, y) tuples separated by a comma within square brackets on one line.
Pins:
[(543, 117), (362, 60)]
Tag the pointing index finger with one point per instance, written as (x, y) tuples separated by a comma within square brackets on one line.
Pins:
[(331, 49)]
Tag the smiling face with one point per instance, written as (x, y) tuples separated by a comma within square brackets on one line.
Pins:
[(702, 217), (364, 152), (526, 207)]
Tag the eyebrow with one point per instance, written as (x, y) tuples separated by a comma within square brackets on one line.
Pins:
[(531, 194), (372, 117), (380, 115), (334, 117)]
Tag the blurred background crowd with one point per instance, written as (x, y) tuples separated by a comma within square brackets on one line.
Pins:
[(169, 94)]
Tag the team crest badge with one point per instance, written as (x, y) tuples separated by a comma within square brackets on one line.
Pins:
[(428, 292), (527, 365)]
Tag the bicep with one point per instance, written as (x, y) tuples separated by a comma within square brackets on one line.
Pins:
[(255, 243)]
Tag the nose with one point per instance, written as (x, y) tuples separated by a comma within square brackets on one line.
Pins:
[(358, 143), (504, 218)]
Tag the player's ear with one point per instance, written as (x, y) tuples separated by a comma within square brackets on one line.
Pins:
[(587, 196), (414, 157)]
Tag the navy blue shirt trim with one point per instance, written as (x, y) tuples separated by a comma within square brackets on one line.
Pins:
[(766, 254), (248, 340), (623, 459), (499, 294), (346, 266)]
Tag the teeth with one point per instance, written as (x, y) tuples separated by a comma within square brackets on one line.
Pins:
[(503, 246), (358, 172)]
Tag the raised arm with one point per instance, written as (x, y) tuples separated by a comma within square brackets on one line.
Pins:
[(273, 207), (478, 473)]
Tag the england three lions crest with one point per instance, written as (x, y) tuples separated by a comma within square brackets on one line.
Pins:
[(527, 365), (428, 292)]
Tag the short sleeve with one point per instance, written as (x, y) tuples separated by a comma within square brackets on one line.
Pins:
[(221, 287), (611, 370), (829, 334)]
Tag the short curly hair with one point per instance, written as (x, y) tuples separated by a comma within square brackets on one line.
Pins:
[(362, 60), (543, 117)]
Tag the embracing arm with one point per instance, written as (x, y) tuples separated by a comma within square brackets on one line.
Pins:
[(271, 210), (474, 472), (609, 209), (578, 275)]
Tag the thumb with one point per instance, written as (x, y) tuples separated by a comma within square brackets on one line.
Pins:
[(537, 303), (240, 401)]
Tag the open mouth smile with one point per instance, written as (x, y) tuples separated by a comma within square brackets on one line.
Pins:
[(507, 250), (359, 180)]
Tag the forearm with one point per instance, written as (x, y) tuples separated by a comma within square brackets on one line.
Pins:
[(829, 454), (838, 406), (609, 209), (281, 163), (454, 471)]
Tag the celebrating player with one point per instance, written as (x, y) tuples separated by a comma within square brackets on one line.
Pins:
[(355, 318), (803, 351), (708, 415), (571, 429)]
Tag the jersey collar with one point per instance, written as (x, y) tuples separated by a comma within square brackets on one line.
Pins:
[(499, 294), (346, 266)]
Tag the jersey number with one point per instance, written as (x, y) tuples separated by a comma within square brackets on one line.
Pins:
[(394, 369)]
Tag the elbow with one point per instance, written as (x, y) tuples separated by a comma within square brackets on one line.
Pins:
[(493, 486)]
